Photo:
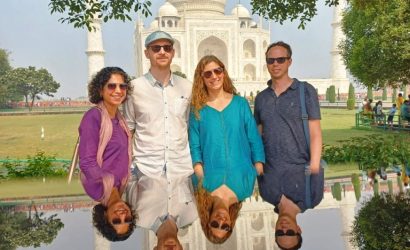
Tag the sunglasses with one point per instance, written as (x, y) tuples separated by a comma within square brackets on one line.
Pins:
[(117, 221), (225, 227), (157, 48), (280, 60), (217, 71), (289, 232), (113, 86)]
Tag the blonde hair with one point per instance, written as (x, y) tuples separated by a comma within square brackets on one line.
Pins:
[(205, 207), (199, 91)]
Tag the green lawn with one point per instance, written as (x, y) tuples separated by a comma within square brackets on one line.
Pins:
[(20, 135), (34, 187)]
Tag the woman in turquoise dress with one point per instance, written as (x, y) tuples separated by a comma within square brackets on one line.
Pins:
[(226, 148)]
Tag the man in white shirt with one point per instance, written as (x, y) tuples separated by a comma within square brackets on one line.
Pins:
[(157, 114)]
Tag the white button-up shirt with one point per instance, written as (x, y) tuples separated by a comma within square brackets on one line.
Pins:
[(159, 117)]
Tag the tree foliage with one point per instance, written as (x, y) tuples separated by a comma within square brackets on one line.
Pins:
[(81, 12), (383, 223), (17, 229), (351, 100), (332, 94), (282, 10), (4, 62), (370, 153), (377, 46), (30, 83)]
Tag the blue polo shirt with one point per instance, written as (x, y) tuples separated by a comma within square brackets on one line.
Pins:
[(285, 144)]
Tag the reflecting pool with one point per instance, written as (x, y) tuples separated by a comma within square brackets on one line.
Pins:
[(323, 228)]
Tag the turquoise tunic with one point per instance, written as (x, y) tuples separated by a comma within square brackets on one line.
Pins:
[(227, 143)]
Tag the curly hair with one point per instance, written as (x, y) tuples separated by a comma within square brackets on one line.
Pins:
[(101, 78), (105, 228), (199, 90), (205, 207)]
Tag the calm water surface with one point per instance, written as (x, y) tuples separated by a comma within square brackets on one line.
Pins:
[(322, 229)]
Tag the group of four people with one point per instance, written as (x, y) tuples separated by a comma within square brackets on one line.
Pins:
[(179, 150)]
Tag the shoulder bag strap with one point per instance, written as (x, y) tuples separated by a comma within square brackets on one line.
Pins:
[(305, 120)]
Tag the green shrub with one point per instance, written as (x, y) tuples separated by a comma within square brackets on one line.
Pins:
[(332, 94), (337, 191), (351, 101), (383, 223), (356, 185), (39, 165)]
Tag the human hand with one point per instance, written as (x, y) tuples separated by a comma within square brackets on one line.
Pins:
[(314, 169), (259, 168), (199, 170)]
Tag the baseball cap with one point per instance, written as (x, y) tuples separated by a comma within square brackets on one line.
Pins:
[(156, 35)]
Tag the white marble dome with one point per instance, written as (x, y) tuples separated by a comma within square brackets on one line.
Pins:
[(200, 7), (241, 11), (167, 9)]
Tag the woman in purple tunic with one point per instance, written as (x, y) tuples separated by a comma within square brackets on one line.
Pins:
[(105, 153)]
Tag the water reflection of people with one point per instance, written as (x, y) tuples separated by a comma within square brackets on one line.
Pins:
[(105, 153), (226, 149), (279, 119), (157, 114)]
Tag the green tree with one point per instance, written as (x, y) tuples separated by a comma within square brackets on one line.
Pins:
[(283, 10), (30, 83), (382, 223), (377, 46), (17, 229), (404, 90), (384, 95), (332, 94), (327, 94), (4, 62), (80, 12), (369, 93), (351, 100), (394, 95)]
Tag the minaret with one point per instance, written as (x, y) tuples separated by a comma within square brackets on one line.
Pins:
[(95, 50), (339, 73), (138, 47)]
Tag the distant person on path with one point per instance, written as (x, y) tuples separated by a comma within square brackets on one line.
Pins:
[(279, 118), (157, 114), (399, 102), (105, 153), (226, 148), (379, 113), (390, 118)]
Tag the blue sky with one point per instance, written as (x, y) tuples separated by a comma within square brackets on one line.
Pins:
[(34, 37)]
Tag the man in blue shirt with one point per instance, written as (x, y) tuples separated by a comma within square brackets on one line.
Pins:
[(279, 119)]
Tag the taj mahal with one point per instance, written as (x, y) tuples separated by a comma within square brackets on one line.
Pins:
[(206, 27)]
